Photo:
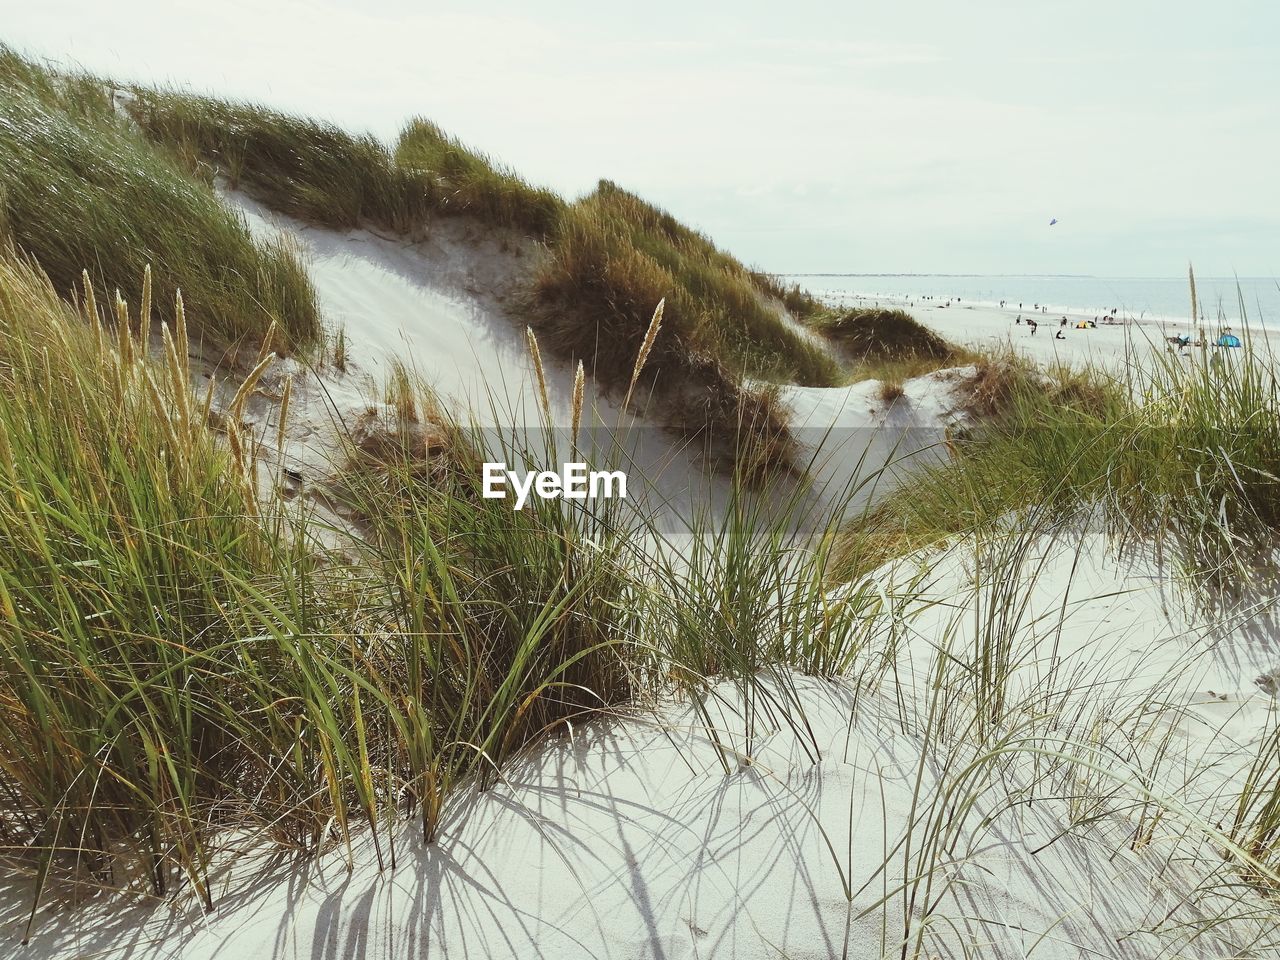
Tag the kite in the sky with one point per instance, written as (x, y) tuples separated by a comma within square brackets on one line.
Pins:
[(1053, 221)]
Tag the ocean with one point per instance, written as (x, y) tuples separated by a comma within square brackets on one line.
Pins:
[(1153, 298)]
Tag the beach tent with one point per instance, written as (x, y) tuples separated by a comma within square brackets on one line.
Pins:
[(1082, 325), (1228, 340)]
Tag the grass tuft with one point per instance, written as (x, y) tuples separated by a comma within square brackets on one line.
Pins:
[(1181, 451), (467, 182), (81, 192), (306, 169)]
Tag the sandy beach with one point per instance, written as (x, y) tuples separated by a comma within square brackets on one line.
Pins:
[(985, 327)]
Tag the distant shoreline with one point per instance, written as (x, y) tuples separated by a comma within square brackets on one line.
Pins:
[(1226, 301), (1022, 276), (984, 326), (1030, 276)]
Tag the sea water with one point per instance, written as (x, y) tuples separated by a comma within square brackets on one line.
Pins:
[(1147, 298)]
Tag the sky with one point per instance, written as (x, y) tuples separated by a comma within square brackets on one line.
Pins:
[(925, 137)]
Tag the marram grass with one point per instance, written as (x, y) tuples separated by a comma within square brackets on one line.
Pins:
[(1180, 450), (180, 661), (143, 597), (81, 190)]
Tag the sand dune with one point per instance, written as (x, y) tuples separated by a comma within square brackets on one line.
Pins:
[(839, 819), (630, 840)]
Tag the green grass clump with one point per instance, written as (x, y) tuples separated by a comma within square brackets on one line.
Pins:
[(149, 605), (1035, 441), (509, 625), (887, 345), (1183, 451), (615, 248), (79, 190), (471, 183), (881, 333), (306, 169), (321, 174), (612, 259), (593, 302)]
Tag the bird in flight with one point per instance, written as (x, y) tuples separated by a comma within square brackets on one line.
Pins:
[(1053, 221)]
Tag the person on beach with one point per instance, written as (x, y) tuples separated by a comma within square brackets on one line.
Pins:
[(1063, 323), (1019, 320), (1059, 335), (1033, 325)]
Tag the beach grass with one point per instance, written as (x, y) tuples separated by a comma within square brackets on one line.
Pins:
[(886, 345), (468, 182), (80, 191), (304, 168), (145, 596), (202, 667), (1183, 451), (615, 247), (508, 626), (182, 657), (612, 259)]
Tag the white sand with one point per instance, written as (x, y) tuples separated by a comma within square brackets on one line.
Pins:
[(849, 434), (631, 841), (987, 327), (439, 307)]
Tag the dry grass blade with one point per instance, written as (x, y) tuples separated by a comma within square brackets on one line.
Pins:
[(236, 408), (646, 346), (144, 311), (90, 303), (535, 355), (579, 389)]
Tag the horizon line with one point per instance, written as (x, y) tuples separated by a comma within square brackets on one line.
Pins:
[(1016, 276)]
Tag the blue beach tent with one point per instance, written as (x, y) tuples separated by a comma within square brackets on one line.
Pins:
[(1228, 340)]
